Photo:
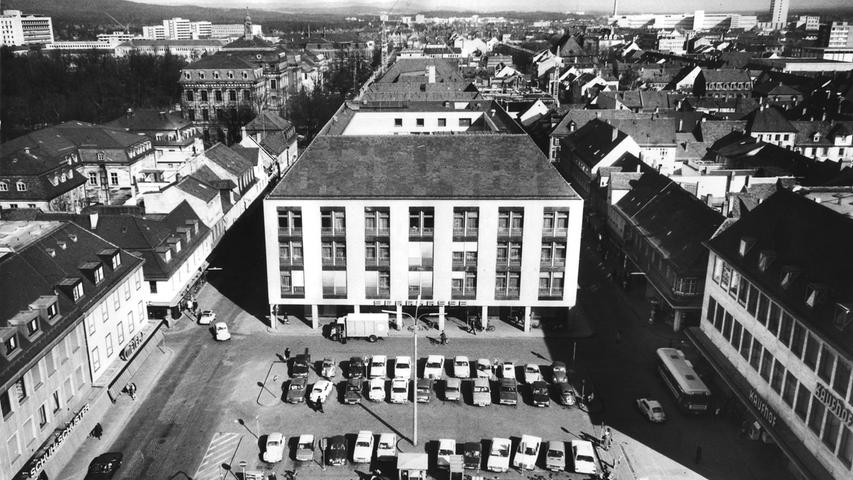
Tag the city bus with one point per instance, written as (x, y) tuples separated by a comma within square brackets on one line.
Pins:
[(689, 390)]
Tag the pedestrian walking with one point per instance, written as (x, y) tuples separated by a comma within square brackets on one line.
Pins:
[(286, 353), (97, 431), (131, 389), (698, 454), (443, 338)]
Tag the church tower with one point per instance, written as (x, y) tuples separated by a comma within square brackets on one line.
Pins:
[(247, 26)]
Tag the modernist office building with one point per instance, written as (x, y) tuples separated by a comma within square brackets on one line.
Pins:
[(776, 326), (447, 205)]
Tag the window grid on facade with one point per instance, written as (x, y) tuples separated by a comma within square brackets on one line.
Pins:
[(555, 223), (377, 221), (466, 222), (510, 222), (332, 221), (421, 221)]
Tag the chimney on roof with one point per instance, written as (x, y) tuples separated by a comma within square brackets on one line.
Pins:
[(823, 117), (614, 134), (431, 73), (93, 220), (680, 124), (572, 125), (128, 113)]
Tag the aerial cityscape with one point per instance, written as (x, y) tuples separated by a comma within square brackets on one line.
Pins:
[(426, 240)]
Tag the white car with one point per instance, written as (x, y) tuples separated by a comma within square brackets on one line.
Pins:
[(498, 460), (321, 391), (446, 448), (387, 446), (484, 368), (207, 317), (434, 367), (651, 409), (403, 367), (399, 390), (274, 450), (528, 451), (583, 457), (377, 366), (376, 389), (508, 370), (555, 456), (461, 367), (221, 332), (363, 450), (305, 448), (532, 373)]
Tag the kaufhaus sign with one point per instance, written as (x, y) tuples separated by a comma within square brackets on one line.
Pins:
[(834, 404)]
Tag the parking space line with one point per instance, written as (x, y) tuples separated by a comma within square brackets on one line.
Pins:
[(220, 450)]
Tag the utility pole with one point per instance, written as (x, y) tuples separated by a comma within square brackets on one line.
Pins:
[(415, 360)]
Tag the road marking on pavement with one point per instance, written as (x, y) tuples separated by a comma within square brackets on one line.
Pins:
[(220, 450)]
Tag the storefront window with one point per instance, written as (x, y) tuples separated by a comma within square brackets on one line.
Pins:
[(816, 416), (802, 406), (812, 346), (790, 388), (845, 447), (830, 431)]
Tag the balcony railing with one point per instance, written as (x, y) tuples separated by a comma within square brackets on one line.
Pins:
[(551, 293), (421, 232), (553, 262), (377, 232), (291, 261), (377, 293), (508, 293), (510, 232), (464, 263), (465, 232), (334, 292), (333, 231), (463, 293), (555, 232), (425, 292), (334, 262), (420, 262), (509, 262), (292, 292), (381, 262), (290, 232)]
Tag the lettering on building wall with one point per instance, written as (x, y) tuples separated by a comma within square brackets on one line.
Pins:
[(422, 303), (764, 409), (36, 464), (834, 404)]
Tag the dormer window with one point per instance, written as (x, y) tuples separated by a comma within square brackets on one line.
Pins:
[(245, 75), (101, 156), (216, 75), (77, 292), (52, 310), (843, 316), (765, 258), (201, 75), (745, 245), (789, 274), (187, 75), (99, 274), (815, 295), (177, 246), (4, 187), (116, 260), (816, 137), (11, 345), (33, 326), (21, 186), (230, 74)]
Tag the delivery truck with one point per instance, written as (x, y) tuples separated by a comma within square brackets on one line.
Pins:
[(371, 326)]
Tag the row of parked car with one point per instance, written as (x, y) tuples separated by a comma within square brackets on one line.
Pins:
[(500, 454)]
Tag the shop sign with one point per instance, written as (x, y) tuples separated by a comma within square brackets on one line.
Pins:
[(131, 346), (834, 404), (36, 464), (763, 408), (422, 303)]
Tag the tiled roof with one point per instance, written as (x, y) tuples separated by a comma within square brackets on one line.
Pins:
[(221, 61), (150, 119), (726, 75), (30, 272), (414, 69), (277, 142), (228, 159), (768, 119), (416, 166), (713, 130), (592, 142), (197, 188), (805, 236), (827, 131), (649, 132), (266, 121)]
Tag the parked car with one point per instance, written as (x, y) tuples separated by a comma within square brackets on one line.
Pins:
[(376, 389), (461, 367), (321, 391), (453, 389), (220, 330), (498, 460), (207, 317), (403, 367), (274, 449), (532, 373), (555, 456), (508, 392), (527, 452), (301, 365), (352, 391), (104, 466), (583, 457), (434, 367), (356, 367), (328, 370), (446, 448), (305, 448), (567, 394), (423, 390), (508, 370), (558, 373), (482, 392), (399, 390), (377, 366), (539, 394), (472, 455), (336, 452), (651, 409), (296, 390), (484, 368), (387, 446), (363, 450)]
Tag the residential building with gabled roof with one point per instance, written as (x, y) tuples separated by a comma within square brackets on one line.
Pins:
[(32, 176), (769, 124), (825, 140)]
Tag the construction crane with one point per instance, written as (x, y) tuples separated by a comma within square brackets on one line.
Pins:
[(125, 28)]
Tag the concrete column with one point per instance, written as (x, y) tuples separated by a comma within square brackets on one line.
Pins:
[(484, 315), (441, 317), (527, 312), (315, 316), (273, 319), (676, 321), (399, 317), (356, 308)]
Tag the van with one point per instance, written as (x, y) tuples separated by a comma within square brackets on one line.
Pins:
[(583, 457)]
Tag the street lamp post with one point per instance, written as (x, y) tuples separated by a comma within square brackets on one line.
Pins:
[(415, 359)]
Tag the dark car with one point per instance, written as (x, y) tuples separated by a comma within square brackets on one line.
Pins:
[(296, 390), (509, 391), (301, 365), (352, 391), (472, 454), (336, 453), (567, 394), (424, 390), (539, 394), (356, 367), (103, 467)]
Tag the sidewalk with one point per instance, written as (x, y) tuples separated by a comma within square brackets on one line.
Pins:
[(114, 420)]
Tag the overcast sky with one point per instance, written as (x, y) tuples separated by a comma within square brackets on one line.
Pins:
[(625, 6)]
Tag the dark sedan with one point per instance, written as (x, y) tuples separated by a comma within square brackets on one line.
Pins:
[(336, 454), (472, 454), (356, 367), (301, 366), (352, 391), (296, 390), (508, 392), (539, 391), (103, 467)]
